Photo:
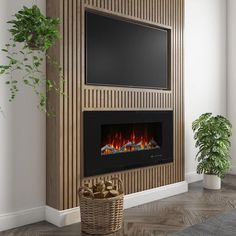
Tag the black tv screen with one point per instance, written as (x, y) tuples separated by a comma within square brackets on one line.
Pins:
[(122, 53)]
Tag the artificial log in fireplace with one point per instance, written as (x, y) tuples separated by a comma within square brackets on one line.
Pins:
[(121, 140)]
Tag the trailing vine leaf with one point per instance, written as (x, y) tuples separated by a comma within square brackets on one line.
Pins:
[(212, 135), (32, 35)]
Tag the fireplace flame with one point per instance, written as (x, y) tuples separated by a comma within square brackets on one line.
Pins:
[(117, 143)]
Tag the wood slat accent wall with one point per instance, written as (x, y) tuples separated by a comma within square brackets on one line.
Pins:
[(98, 98), (64, 132)]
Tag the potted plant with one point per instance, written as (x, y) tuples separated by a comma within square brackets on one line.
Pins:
[(212, 135), (32, 34)]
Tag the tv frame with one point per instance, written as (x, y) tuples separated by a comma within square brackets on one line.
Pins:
[(141, 22)]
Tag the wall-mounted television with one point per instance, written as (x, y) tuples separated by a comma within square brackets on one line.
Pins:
[(125, 53)]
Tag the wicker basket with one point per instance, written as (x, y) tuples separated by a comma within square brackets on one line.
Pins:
[(101, 216)]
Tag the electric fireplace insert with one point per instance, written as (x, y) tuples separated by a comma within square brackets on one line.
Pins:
[(115, 140)]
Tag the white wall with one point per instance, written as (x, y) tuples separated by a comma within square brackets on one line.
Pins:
[(231, 86), (205, 67), (22, 137)]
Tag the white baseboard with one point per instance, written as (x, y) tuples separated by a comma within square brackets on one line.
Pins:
[(139, 198), (62, 218), (232, 170), (20, 218), (71, 216), (192, 177)]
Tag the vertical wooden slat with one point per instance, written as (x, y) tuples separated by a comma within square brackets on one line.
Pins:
[(74, 108), (139, 100), (148, 10), (79, 96), (153, 100), (174, 87), (148, 184), (139, 9), (123, 8), (54, 147), (182, 89), (70, 104), (144, 9), (177, 90), (119, 99), (65, 125)]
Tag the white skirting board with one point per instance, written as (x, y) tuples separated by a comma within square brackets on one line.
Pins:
[(62, 218), (19, 218), (71, 216), (139, 198)]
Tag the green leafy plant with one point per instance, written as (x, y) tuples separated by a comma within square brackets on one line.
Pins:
[(33, 29), (32, 35), (212, 135)]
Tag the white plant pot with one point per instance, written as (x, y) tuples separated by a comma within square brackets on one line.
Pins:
[(211, 182)]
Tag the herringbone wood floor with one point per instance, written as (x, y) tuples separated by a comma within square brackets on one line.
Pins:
[(157, 218)]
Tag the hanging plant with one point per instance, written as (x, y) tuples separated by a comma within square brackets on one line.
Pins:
[(32, 35), (31, 27)]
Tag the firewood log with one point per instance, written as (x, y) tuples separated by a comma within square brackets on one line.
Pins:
[(100, 194), (114, 193), (97, 195), (108, 183), (94, 188), (87, 194), (115, 187), (109, 188), (103, 189), (101, 182)]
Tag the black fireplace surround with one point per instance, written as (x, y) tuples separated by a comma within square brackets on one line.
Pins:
[(122, 140)]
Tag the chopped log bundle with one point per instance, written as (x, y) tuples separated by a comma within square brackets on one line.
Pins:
[(102, 190)]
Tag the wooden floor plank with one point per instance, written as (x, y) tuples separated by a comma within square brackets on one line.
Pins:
[(157, 218)]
